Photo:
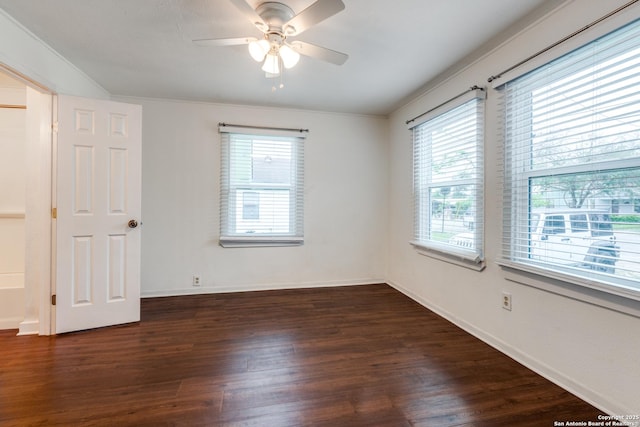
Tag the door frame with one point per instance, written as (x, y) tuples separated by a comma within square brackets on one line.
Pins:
[(39, 204)]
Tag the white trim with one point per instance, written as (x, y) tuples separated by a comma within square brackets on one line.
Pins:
[(265, 241), (251, 287), (592, 292), (590, 396), (462, 258), (39, 154), (592, 167), (29, 327), (49, 315)]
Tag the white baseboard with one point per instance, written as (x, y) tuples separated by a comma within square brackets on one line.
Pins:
[(588, 395), (29, 327), (255, 287)]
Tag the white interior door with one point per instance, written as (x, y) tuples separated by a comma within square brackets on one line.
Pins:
[(98, 196)]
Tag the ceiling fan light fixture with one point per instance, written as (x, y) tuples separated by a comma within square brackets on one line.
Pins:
[(258, 49), (289, 56), (277, 22), (271, 64)]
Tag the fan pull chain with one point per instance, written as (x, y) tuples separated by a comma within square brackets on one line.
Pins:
[(281, 86)]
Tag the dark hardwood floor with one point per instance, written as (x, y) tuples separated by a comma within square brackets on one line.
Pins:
[(348, 356)]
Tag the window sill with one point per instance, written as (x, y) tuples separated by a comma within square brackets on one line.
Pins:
[(466, 259), (591, 292), (260, 242)]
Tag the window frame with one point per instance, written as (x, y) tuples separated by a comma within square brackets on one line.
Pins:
[(462, 255), (609, 292), (231, 207)]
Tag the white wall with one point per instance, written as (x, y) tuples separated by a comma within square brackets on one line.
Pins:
[(586, 348), (12, 203), (345, 201)]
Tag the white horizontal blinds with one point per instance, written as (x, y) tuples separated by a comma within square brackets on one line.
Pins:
[(448, 179), (262, 186), (572, 141)]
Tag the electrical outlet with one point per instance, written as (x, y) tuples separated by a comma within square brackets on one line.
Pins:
[(196, 280), (506, 301)]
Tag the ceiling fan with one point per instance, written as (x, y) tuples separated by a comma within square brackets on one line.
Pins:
[(278, 22)]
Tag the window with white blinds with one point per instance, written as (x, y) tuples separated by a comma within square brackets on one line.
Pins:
[(262, 189), (448, 179), (572, 166)]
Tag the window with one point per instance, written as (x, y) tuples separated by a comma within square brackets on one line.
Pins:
[(261, 189), (579, 223), (251, 205), (553, 224), (572, 166), (448, 179)]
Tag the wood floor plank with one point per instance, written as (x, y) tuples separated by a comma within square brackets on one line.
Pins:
[(345, 356)]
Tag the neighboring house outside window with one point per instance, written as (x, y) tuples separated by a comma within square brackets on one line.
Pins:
[(448, 179), (572, 166), (262, 184)]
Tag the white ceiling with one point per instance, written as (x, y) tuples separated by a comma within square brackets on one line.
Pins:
[(143, 48)]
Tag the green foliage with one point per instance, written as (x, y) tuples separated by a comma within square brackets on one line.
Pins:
[(633, 218), (540, 201), (462, 206), (577, 188)]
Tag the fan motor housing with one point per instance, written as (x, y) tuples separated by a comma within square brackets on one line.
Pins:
[(275, 15)]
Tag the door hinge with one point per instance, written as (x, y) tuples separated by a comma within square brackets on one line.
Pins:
[(54, 127), (53, 299), (54, 213)]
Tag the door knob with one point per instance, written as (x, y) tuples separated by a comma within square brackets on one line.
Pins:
[(132, 223)]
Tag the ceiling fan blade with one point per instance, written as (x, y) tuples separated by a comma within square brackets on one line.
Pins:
[(224, 42), (251, 14), (314, 14), (318, 52)]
